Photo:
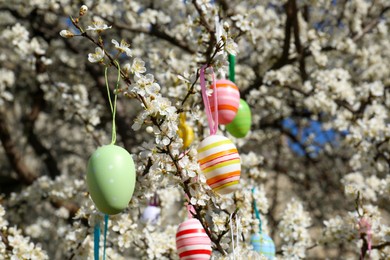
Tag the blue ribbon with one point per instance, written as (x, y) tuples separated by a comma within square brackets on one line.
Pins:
[(96, 238), (257, 213)]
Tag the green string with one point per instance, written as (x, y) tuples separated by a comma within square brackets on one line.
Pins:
[(232, 63), (113, 108), (257, 213)]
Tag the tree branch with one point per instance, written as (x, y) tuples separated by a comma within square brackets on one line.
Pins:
[(14, 155), (381, 246), (297, 40), (371, 25), (283, 59), (155, 31), (29, 123)]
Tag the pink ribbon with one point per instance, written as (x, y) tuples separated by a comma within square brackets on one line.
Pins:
[(213, 121), (365, 227), (190, 208)]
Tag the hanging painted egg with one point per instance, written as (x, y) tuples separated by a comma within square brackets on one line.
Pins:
[(241, 124), (111, 178), (192, 241), (228, 97), (263, 244), (151, 214), (185, 131), (220, 163), (187, 134)]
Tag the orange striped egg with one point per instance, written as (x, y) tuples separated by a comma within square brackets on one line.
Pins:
[(192, 241), (228, 97), (220, 163)]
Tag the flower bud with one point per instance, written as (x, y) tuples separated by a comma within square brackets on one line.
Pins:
[(66, 34), (83, 10)]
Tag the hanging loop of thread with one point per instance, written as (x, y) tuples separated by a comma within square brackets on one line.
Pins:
[(257, 213), (238, 232), (212, 120), (113, 106), (232, 235), (236, 244)]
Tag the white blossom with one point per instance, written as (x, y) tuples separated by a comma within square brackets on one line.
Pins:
[(123, 46), (98, 26), (66, 34), (97, 56)]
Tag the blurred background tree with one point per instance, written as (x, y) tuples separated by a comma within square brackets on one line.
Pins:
[(314, 73)]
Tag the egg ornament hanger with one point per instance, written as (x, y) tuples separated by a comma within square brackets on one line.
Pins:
[(260, 241), (227, 93), (241, 123), (110, 175), (217, 155)]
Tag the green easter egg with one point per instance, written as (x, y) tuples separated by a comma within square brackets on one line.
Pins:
[(241, 123), (111, 178)]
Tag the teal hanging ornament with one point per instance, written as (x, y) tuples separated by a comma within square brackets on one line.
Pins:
[(242, 121), (261, 242)]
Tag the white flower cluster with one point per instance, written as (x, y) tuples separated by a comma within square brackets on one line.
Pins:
[(7, 79), (370, 188), (76, 101), (335, 72), (293, 229), (252, 162), (14, 246), (25, 47), (329, 86), (346, 229), (158, 245)]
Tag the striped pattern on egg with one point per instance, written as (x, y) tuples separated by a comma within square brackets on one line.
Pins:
[(192, 241), (220, 163), (241, 124), (228, 97)]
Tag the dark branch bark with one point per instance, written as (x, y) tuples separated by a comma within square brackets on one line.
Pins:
[(203, 20), (29, 123), (287, 36), (158, 32), (14, 155), (371, 25), (297, 40), (283, 59), (381, 246)]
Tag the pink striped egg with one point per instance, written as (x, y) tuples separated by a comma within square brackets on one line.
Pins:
[(192, 241), (220, 163), (228, 97)]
